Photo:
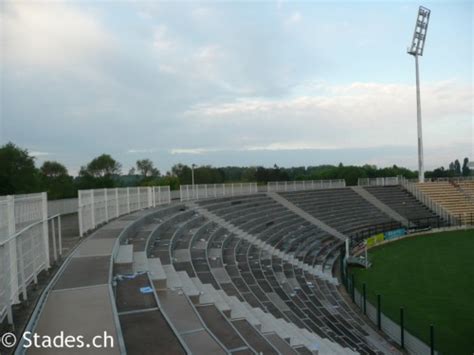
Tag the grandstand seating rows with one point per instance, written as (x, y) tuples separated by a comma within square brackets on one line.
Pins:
[(455, 197), (241, 275)]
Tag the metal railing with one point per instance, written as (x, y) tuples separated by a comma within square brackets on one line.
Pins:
[(203, 191), (63, 206), (25, 246), (101, 205), (423, 198), (379, 181), (280, 186)]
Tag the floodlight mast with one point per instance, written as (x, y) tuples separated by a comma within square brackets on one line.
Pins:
[(416, 49)]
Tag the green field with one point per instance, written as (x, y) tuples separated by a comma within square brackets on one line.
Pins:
[(432, 277)]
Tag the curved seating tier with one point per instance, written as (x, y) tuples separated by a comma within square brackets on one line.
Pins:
[(240, 275), (341, 208), (404, 203)]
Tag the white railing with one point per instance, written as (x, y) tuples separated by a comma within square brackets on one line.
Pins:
[(380, 181), (24, 246), (202, 191), (101, 205), (278, 186), (432, 205), (62, 206), (18, 211)]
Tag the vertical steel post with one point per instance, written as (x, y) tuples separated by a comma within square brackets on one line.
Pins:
[(379, 311), (353, 288), (421, 168), (364, 297), (44, 197), (432, 350), (402, 328)]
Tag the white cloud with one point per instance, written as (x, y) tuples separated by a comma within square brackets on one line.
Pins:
[(294, 18), (141, 151), (50, 34), (35, 153), (343, 116), (194, 151)]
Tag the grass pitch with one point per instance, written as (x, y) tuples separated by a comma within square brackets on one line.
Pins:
[(432, 277)]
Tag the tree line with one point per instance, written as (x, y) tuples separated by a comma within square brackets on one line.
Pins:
[(19, 174)]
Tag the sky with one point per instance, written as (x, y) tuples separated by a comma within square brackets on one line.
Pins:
[(235, 83)]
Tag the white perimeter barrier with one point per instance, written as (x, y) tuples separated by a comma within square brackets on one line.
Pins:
[(202, 191), (380, 181), (62, 206), (24, 246), (279, 186), (101, 205)]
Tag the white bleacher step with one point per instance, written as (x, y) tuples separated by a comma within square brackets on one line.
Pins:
[(124, 254), (157, 273), (140, 261), (204, 296), (172, 279), (188, 286), (219, 302)]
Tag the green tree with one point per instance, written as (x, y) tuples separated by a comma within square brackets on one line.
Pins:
[(99, 173), (146, 169), (465, 167), (56, 180), (457, 167), (17, 171)]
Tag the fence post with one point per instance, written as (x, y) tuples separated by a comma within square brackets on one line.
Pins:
[(92, 208), (44, 197), (117, 205), (128, 199), (379, 311), (60, 237), (432, 350), (53, 235), (353, 288), (364, 296), (79, 212), (402, 328), (12, 250), (106, 203)]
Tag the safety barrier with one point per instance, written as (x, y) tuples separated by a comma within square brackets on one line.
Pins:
[(101, 205), (202, 191), (380, 181), (280, 186), (26, 233), (63, 206)]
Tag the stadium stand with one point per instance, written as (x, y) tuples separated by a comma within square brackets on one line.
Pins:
[(453, 196), (405, 204), (240, 275), (342, 209)]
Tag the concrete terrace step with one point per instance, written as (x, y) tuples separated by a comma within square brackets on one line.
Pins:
[(157, 273), (172, 278), (124, 254), (140, 261), (188, 286)]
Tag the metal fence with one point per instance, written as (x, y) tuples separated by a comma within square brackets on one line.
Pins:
[(25, 235), (62, 206), (203, 191), (279, 186), (393, 330), (380, 181), (101, 205)]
